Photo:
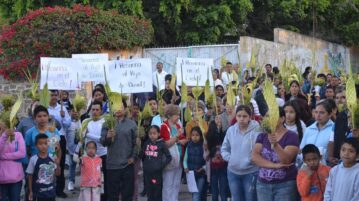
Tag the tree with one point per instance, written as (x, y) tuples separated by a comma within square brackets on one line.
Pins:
[(15, 9), (185, 22), (333, 20), (343, 18)]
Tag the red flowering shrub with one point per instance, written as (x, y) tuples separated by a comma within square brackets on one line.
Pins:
[(60, 32)]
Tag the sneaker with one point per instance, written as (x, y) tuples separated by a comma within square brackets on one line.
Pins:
[(61, 195), (70, 186)]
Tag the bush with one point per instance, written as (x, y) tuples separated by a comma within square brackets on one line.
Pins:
[(60, 32)]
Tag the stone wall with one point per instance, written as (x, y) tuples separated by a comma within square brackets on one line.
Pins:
[(302, 50), (14, 88)]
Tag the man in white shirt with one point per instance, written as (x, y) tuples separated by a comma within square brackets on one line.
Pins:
[(61, 115), (227, 75), (59, 112), (160, 74)]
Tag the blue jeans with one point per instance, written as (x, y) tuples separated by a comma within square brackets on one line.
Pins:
[(72, 169), (243, 187), (286, 191), (11, 192), (219, 184), (202, 190)]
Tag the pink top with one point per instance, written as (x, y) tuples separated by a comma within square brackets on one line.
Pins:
[(10, 169), (91, 171)]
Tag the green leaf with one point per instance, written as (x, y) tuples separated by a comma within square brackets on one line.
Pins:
[(45, 96), (14, 110)]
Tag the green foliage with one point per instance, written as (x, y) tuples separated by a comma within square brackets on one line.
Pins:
[(197, 22), (60, 32), (334, 20), (15, 9), (128, 7), (187, 22)]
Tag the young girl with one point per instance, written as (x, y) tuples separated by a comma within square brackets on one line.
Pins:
[(194, 161), (219, 181), (319, 132), (295, 92), (343, 179), (237, 149), (11, 172), (153, 153), (292, 119), (90, 174)]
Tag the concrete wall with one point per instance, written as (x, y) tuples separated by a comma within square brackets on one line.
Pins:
[(263, 51), (302, 50), (327, 54)]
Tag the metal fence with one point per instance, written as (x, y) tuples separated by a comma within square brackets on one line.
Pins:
[(168, 55)]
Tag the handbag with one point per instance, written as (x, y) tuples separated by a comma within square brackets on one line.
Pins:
[(175, 161)]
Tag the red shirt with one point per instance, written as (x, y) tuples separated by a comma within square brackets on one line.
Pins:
[(165, 134)]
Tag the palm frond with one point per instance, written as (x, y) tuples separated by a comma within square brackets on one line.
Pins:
[(273, 108), (45, 96)]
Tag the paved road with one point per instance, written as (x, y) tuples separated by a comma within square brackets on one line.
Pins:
[(73, 195)]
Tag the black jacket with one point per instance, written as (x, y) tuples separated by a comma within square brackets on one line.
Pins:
[(155, 156), (262, 105), (340, 132), (215, 137)]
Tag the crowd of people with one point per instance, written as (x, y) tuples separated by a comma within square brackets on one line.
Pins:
[(311, 155)]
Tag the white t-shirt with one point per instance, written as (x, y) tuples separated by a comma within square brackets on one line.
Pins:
[(226, 78), (294, 127), (161, 79), (65, 121), (93, 133), (255, 107)]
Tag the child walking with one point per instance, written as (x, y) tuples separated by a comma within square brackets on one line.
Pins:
[(194, 161), (90, 174), (153, 152), (41, 172), (343, 179), (312, 177)]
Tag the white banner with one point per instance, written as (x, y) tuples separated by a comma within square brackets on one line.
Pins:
[(92, 66), (130, 76), (60, 73), (194, 69)]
